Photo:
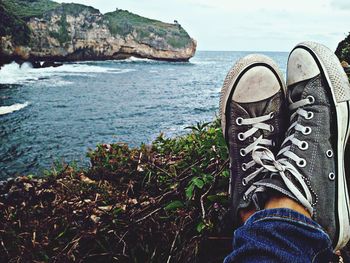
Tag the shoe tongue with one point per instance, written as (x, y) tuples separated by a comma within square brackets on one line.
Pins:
[(255, 109), (296, 91)]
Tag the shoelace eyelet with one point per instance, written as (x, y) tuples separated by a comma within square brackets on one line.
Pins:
[(245, 197), (239, 121), (311, 99), (241, 136), (242, 152), (272, 115), (331, 176), (301, 163), (329, 153), (244, 182), (272, 128), (307, 131), (244, 167), (303, 145), (310, 115)]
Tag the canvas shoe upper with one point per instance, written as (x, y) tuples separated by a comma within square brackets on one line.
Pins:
[(252, 111), (310, 164)]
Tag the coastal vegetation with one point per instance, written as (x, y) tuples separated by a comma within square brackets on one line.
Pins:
[(164, 202), (343, 49), (122, 22), (13, 26), (26, 9)]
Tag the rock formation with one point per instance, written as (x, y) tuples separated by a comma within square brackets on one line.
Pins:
[(74, 32)]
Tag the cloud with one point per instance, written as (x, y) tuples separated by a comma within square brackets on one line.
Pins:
[(341, 4)]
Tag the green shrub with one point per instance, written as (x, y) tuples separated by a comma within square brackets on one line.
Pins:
[(12, 25), (145, 204), (25, 9), (122, 23), (343, 50)]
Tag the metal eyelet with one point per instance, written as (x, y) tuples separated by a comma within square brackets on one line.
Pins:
[(331, 176), (301, 163), (244, 182), (244, 167), (272, 115), (310, 115), (303, 146), (329, 153), (242, 152), (239, 121), (307, 131), (245, 197), (311, 99), (241, 136), (272, 128), (273, 143)]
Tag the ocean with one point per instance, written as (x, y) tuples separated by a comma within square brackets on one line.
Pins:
[(57, 114)]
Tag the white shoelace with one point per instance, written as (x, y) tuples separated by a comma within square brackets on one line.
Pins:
[(266, 159), (257, 124)]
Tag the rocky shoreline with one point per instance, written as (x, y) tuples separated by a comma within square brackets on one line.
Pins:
[(72, 32)]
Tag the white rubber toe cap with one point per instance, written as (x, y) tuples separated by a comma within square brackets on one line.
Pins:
[(257, 84), (301, 66)]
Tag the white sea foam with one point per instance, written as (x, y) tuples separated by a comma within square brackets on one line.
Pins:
[(15, 107), (15, 74), (135, 59)]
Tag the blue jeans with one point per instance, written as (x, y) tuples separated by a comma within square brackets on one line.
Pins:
[(280, 235)]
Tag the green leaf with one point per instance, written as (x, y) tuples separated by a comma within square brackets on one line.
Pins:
[(198, 182), (225, 174), (208, 178), (189, 191), (174, 205), (200, 227)]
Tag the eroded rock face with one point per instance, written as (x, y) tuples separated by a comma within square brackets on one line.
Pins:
[(64, 36)]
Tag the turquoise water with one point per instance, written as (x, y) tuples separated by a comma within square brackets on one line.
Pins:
[(59, 113)]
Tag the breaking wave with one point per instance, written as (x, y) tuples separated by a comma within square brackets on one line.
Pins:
[(15, 107)]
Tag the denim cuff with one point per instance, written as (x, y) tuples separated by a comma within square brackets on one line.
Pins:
[(283, 214)]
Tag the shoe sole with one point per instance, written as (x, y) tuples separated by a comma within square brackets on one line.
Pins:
[(339, 84), (234, 75)]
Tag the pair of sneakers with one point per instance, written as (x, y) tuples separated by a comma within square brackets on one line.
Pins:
[(288, 138)]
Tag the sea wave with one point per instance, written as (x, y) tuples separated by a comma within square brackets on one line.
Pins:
[(15, 107), (15, 74), (141, 60)]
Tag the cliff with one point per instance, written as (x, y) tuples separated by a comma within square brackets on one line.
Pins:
[(47, 31)]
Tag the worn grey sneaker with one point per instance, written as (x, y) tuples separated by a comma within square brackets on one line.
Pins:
[(310, 163), (253, 114)]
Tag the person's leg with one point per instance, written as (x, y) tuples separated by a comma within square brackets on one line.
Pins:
[(282, 232)]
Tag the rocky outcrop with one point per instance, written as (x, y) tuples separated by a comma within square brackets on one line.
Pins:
[(73, 32)]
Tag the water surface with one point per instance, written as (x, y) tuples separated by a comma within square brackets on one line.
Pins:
[(59, 113)]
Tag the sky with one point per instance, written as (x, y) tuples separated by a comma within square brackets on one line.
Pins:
[(252, 25)]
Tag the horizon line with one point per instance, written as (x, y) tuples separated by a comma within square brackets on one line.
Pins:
[(258, 51)]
